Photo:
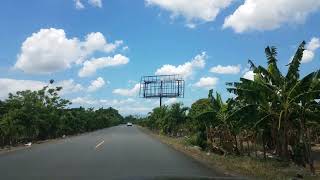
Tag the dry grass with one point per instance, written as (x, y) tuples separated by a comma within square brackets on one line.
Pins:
[(237, 165)]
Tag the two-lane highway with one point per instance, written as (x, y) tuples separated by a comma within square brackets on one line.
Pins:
[(119, 152)]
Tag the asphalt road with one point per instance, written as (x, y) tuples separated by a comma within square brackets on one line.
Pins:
[(115, 153)]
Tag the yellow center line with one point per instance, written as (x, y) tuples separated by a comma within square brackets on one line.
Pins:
[(99, 144)]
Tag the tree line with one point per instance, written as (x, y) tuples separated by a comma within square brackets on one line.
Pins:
[(38, 115), (272, 115)]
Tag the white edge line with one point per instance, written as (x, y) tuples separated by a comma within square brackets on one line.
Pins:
[(99, 144)]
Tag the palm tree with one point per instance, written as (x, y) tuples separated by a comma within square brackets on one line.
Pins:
[(176, 117)]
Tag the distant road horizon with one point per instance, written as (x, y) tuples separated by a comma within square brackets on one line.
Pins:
[(118, 152)]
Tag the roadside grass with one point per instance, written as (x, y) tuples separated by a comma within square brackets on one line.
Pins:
[(243, 166)]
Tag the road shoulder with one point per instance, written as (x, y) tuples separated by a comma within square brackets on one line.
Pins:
[(233, 165), (189, 151), (22, 146)]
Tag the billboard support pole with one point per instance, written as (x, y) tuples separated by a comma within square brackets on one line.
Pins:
[(161, 93), (162, 86)]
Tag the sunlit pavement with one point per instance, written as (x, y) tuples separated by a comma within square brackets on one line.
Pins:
[(115, 153)]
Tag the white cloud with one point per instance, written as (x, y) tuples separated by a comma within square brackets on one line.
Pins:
[(249, 75), (171, 101), (110, 47), (309, 52), (94, 41), (307, 56), (49, 50), (69, 86), (96, 84), (125, 106), (225, 69), (193, 11), (186, 69), (117, 101), (313, 44), (79, 4), (90, 67), (311, 47), (83, 101), (125, 48), (127, 92), (267, 15), (191, 25), (13, 85), (135, 110), (206, 82), (96, 3), (97, 42)]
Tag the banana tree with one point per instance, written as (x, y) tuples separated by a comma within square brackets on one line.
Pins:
[(279, 97), (223, 120)]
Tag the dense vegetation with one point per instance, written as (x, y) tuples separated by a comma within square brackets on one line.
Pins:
[(37, 115), (274, 115)]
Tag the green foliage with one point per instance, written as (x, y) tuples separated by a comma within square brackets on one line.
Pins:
[(36, 115), (132, 119), (167, 119), (278, 113), (198, 117), (197, 139), (285, 104)]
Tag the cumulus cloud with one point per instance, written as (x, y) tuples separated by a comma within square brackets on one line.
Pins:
[(110, 47), (249, 75), (127, 92), (69, 86), (90, 67), (310, 49), (206, 82), (313, 44), (96, 84), (50, 50), (267, 15), (47, 51), (97, 42), (94, 41), (309, 52), (193, 11), (13, 85), (186, 69), (225, 69)]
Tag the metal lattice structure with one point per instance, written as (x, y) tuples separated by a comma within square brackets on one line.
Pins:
[(162, 86)]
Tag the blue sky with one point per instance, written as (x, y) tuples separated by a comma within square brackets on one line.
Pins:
[(114, 42)]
